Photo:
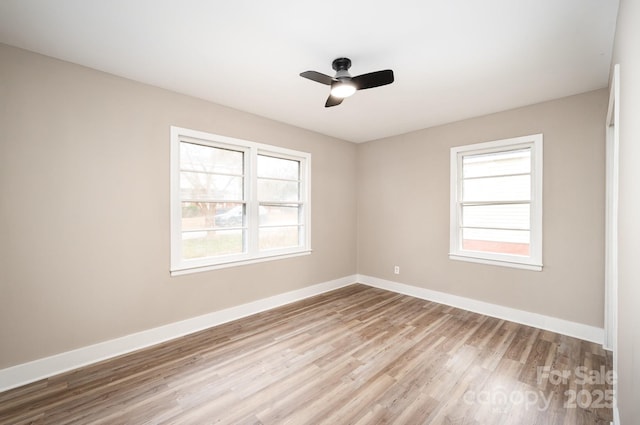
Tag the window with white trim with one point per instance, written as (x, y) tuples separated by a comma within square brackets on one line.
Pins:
[(496, 202), (235, 201)]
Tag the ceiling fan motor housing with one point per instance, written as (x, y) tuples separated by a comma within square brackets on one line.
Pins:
[(342, 65)]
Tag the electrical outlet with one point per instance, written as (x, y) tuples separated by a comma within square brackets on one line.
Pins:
[(396, 269)]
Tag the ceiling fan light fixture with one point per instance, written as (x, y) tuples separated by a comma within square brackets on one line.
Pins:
[(342, 89), (343, 85)]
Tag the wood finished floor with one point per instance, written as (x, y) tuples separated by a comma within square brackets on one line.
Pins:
[(357, 355)]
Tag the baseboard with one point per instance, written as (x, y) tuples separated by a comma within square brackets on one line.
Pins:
[(25, 373), (565, 327)]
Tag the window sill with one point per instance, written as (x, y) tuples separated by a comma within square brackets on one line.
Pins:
[(511, 264), (179, 271)]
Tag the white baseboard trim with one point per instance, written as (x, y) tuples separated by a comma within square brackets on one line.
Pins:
[(25, 373), (561, 326)]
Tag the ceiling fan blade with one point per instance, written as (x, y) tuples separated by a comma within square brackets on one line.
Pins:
[(333, 101), (373, 79), (317, 77)]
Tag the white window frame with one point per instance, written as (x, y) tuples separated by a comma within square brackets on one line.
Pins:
[(252, 253), (534, 260)]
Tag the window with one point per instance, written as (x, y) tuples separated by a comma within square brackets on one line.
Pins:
[(235, 202), (496, 202)]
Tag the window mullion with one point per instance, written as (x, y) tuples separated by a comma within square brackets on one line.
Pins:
[(481, 203), (253, 205), (303, 212), (492, 176), (518, 229), (459, 202)]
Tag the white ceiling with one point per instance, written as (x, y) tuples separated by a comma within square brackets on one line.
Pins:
[(452, 59)]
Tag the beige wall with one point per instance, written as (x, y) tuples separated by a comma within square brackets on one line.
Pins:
[(84, 208), (403, 204), (627, 54), (84, 216)]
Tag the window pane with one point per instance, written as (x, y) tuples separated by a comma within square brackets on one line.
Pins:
[(203, 186), (212, 243), (230, 217), (497, 163), (279, 237), (207, 215), (205, 158), (512, 188), (277, 190), (515, 242), (272, 215), (510, 216), (278, 168)]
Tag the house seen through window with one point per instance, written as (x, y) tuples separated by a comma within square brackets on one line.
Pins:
[(496, 202)]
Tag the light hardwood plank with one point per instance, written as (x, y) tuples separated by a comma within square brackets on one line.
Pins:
[(357, 355)]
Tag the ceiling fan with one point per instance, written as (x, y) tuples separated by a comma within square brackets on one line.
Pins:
[(344, 85)]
